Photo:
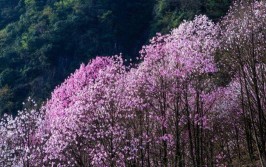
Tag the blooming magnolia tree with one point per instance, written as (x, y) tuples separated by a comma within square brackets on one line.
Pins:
[(169, 110), (244, 47), (19, 144), (170, 84)]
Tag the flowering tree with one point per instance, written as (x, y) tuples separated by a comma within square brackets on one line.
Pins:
[(171, 87), (244, 48), (19, 144), (93, 129)]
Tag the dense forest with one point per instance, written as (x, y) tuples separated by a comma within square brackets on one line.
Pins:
[(43, 41), (166, 83)]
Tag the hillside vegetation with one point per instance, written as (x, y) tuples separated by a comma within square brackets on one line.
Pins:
[(43, 41), (193, 97)]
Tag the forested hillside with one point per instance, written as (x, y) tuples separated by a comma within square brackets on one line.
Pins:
[(192, 95), (43, 41)]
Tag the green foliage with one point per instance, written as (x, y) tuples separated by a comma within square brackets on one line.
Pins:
[(9, 11), (170, 13), (215, 9), (7, 105)]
